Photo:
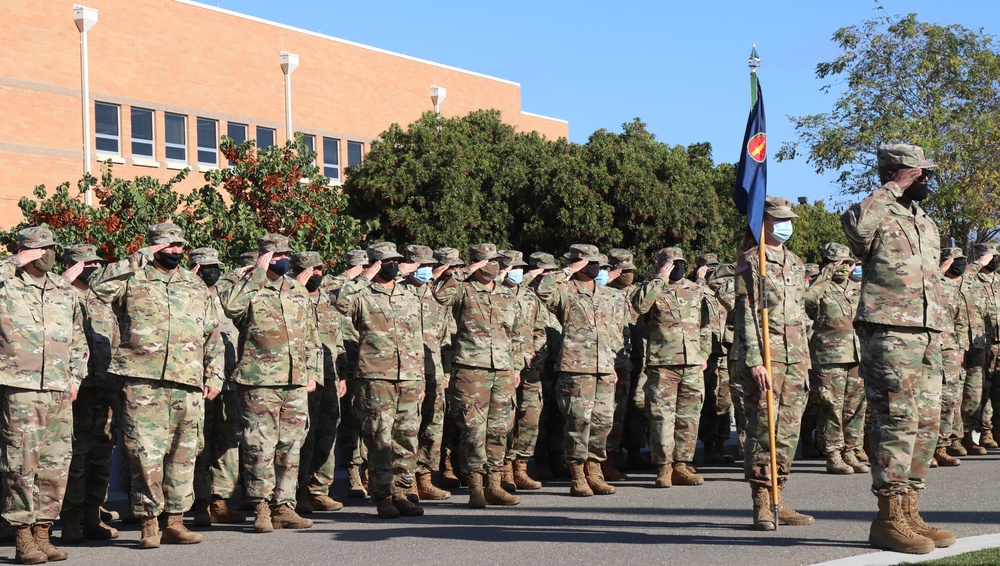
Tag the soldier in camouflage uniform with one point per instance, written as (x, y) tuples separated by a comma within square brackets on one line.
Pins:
[(785, 285), (586, 364), (484, 375), (982, 364), (389, 375), (43, 352), (171, 358), (95, 410), (954, 343), (714, 429), (899, 319), (217, 467), (723, 285), (831, 303), (450, 448), (621, 280)]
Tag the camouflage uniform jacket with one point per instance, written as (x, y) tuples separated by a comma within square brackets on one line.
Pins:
[(230, 334), (589, 319), (626, 316), (42, 342), (956, 335), (785, 286), (976, 301), (279, 344), (489, 325), (723, 288), (101, 328), (534, 327), (390, 335), (434, 321), (329, 324), (900, 251), (990, 283), (832, 307), (679, 334), (331, 285), (715, 314), (168, 322)]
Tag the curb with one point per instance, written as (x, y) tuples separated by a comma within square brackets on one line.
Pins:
[(886, 558)]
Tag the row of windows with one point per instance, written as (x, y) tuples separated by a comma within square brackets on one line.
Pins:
[(108, 119)]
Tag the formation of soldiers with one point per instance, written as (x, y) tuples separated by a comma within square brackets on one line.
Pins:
[(421, 368)]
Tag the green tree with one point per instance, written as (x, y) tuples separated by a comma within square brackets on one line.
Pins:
[(814, 228)]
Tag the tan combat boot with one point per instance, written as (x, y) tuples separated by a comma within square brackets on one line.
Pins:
[(579, 487), (201, 516), (610, 472), (890, 529), (354, 488), (284, 517), (72, 529), (496, 494), (851, 459), (521, 477), (174, 532), (108, 516), (862, 455), (477, 498), (663, 474), (971, 447), (789, 516), (222, 514), (262, 522), (942, 457), (448, 477), (595, 479), (150, 537), (40, 532), (406, 507), (364, 476), (942, 538), (835, 465), (410, 493), (763, 511), (427, 490), (26, 551), (94, 528), (986, 439), (507, 477), (683, 474), (956, 448), (385, 508), (323, 502)]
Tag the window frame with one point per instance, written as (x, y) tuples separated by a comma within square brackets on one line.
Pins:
[(360, 145), (151, 142), (214, 149), (117, 138), (168, 145), (272, 131), (336, 154)]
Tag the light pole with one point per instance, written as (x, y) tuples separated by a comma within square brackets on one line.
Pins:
[(85, 18), (289, 62), (438, 94)]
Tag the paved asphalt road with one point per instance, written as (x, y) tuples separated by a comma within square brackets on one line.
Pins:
[(709, 524)]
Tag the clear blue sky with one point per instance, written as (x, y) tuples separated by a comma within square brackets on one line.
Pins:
[(679, 66)]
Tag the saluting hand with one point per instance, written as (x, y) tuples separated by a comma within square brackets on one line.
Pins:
[(373, 270), (906, 177), (477, 266), (353, 271), (614, 274), (530, 276), (702, 271), (408, 268), (195, 268), (578, 265), (26, 256), (157, 247), (665, 270), (304, 276), (73, 271), (264, 260)]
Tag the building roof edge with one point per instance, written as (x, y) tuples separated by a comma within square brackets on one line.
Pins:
[(542, 116)]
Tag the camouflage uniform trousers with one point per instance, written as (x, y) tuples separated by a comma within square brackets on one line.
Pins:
[(586, 401), (790, 385), (715, 413), (317, 460), (352, 450), (484, 401), (972, 390), (674, 397), (811, 414), (991, 389), (636, 430), (36, 432), (275, 421), (901, 367), (527, 415), (841, 419), (95, 424), (736, 396), (550, 421), (161, 430), (389, 413), (951, 394), (432, 415), (624, 375), (217, 468)]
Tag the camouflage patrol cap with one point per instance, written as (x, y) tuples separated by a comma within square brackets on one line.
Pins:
[(480, 252), (35, 237), (511, 258), (892, 154), (706, 259), (419, 254), (588, 252), (165, 233), (622, 259), (985, 248), (836, 252), (204, 256), (357, 257), (274, 243), (85, 253), (542, 260), (951, 253), (812, 269), (383, 251), (302, 261), (248, 258), (670, 254), (779, 207), (603, 262), (448, 256)]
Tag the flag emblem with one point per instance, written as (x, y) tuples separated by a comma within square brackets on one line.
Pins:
[(757, 147)]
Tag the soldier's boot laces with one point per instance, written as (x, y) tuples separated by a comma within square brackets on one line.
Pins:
[(971, 447), (477, 498), (521, 477), (302, 503), (72, 530), (323, 502), (354, 488), (835, 465), (428, 491), (40, 532), (284, 517), (448, 477), (942, 457), (789, 516), (26, 551), (986, 439), (262, 522), (202, 518), (507, 476), (385, 508), (174, 532), (956, 448), (891, 531), (610, 472), (851, 459), (763, 512), (911, 511), (595, 479), (683, 474), (407, 508), (579, 486), (94, 528), (222, 514), (663, 473), (150, 537), (496, 494)]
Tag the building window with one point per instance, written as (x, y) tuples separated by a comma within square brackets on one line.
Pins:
[(238, 133), (265, 137), (354, 152), (106, 127), (310, 141), (142, 133), (208, 142), (331, 158), (175, 136)]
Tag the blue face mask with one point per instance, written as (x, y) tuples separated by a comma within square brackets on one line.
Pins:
[(515, 276), (856, 273), (782, 231), (423, 274), (602, 277), (279, 266)]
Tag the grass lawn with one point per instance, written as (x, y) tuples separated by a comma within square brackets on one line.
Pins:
[(978, 558)]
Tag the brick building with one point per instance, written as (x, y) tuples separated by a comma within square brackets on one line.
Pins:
[(167, 78)]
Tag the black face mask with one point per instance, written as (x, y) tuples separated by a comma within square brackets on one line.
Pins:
[(210, 274), (917, 191), (313, 283), (86, 274), (679, 270), (389, 271), (958, 267), (279, 267), (168, 261), (593, 269), (993, 264)]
